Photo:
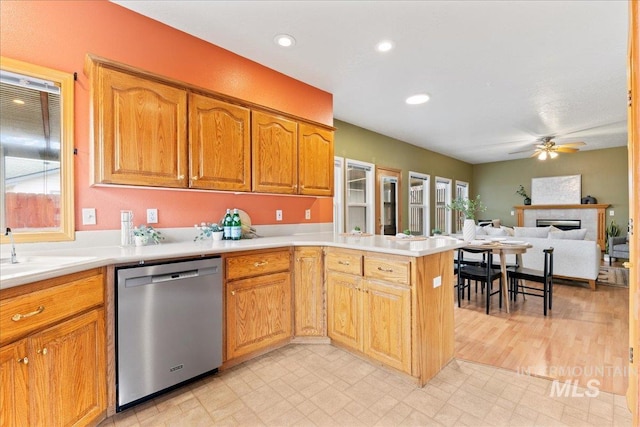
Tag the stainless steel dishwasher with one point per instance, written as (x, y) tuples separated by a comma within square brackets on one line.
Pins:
[(168, 326)]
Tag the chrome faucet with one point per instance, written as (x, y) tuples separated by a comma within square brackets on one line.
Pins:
[(14, 258)]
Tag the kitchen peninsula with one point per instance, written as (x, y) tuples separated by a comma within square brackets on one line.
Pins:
[(390, 301)]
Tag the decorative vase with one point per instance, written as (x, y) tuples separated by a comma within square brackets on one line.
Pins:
[(527, 201), (141, 240), (469, 230)]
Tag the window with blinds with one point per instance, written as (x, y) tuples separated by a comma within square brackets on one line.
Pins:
[(418, 204), (443, 198)]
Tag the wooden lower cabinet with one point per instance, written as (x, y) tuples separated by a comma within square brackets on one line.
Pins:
[(68, 377), (258, 301), (308, 291), (344, 309), (53, 372), (14, 378), (387, 324), (370, 315)]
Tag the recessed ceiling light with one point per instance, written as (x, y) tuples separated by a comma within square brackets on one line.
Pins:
[(284, 40), (420, 98), (384, 46)]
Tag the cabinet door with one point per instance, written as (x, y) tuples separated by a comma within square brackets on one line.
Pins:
[(140, 131), (275, 153), (68, 381), (308, 292), (258, 313), (387, 324), (14, 377), (344, 309), (219, 145), (315, 160)]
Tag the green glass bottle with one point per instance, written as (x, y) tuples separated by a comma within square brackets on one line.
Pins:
[(226, 225), (236, 226)]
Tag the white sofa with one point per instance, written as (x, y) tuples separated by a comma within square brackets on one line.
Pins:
[(573, 258)]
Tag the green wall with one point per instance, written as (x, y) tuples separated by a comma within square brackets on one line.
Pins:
[(603, 174), (353, 142)]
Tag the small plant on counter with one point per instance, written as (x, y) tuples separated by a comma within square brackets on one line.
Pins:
[(207, 229), (407, 232), (147, 232), (468, 207), (436, 231)]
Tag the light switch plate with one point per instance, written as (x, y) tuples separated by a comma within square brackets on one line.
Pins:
[(278, 215), (307, 214), (88, 216), (152, 216)]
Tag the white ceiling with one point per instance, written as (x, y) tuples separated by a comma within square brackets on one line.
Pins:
[(500, 73)]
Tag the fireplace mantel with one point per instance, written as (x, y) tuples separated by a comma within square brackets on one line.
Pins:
[(598, 228)]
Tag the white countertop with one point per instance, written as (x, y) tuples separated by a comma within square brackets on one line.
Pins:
[(66, 261)]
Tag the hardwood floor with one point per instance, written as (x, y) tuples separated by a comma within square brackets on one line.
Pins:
[(584, 337)]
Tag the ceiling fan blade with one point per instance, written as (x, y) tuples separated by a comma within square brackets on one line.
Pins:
[(526, 150), (561, 149), (572, 144)]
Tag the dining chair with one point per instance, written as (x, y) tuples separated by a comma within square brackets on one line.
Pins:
[(479, 272), (518, 275)]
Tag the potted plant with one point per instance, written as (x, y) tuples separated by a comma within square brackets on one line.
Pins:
[(143, 234), (436, 232), (521, 192), (209, 230), (612, 230), (356, 230), (469, 208)]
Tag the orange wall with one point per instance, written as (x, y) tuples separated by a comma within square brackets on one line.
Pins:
[(59, 34)]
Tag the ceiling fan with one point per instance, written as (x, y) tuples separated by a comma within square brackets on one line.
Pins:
[(547, 149)]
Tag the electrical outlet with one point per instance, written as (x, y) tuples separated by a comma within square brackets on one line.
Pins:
[(307, 214), (88, 216), (512, 213), (611, 213), (152, 216), (437, 281), (278, 215)]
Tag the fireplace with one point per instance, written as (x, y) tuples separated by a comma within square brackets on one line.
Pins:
[(562, 224)]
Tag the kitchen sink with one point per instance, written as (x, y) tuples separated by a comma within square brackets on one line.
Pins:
[(37, 264)]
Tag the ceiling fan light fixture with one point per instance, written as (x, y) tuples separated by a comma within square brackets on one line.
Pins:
[(553, 154), (284, 40), (542, 155), (417, 99)]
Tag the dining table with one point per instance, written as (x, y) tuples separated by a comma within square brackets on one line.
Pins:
[(503, 248)]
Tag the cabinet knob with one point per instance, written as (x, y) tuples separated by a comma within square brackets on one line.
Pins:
[(18, 316), (626, 264), (44, 351), (233, 292), (180, 176), (24, 360), (194, 178)]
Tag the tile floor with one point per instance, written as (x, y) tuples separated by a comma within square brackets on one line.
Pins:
[(322, 385)]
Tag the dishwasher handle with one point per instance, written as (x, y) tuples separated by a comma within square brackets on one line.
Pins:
[(131, 282)]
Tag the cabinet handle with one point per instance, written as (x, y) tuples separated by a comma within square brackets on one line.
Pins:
[(626, 264), (24, 360), (194, 178), (260, 264), (386, 270), (233, 293), (19, 316), (180, 176), (44, 351), (344, 262)]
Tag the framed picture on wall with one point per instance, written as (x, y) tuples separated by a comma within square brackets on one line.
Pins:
[(556, 190)]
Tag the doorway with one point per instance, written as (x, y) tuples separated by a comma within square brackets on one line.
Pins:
[(388, 201)]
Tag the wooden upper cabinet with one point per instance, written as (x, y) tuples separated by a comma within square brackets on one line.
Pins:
[(219, 145), (140, 130), (315, 160), (275, 153)]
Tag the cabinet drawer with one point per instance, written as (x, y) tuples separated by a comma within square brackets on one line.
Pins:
[(344, 262), (24, 314), (238, 267), (395, 271)]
